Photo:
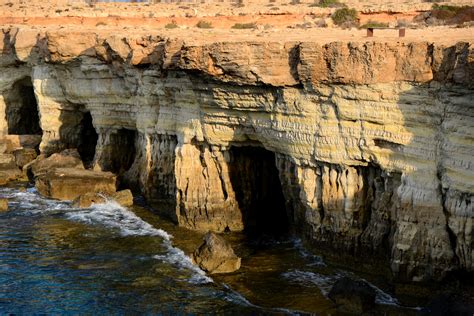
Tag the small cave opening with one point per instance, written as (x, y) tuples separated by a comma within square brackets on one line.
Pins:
[(258, 190), (121, 152), (87, 140), (22, 109)]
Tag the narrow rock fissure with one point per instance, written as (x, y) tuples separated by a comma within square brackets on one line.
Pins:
[(87, 140)]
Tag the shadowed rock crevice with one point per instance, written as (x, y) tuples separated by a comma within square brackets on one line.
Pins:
[(118, 153), (258, 190), (22, 109), (88, 140)]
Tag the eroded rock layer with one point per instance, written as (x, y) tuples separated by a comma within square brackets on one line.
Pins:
[(356, 146)]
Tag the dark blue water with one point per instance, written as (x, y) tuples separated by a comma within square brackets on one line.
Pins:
[(110, 260)]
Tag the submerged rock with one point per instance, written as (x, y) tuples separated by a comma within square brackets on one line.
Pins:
[(3, 205), (69, 183), (124, 198), (215, 255), (352, 296)]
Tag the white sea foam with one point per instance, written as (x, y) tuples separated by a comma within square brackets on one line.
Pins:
[(113, 215), (307, 278), (326, 282), (30, 202), (179, 259), (313, 259)]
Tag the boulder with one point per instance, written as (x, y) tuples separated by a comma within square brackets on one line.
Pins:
[(3, 205), (10, 175), (69, 183), (8, 169), (352, 296), (68, 158), (15, 142), (24, 156), (124, 198), (215, 255)]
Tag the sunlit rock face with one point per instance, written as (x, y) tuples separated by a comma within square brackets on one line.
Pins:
[(355, 146)]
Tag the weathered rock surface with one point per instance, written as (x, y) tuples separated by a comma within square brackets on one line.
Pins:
[(352, 296), (69, 183), (24, 156), (88, 199), (215, 255), (3, 205), (372, 142), (68, 158), (124, 198)]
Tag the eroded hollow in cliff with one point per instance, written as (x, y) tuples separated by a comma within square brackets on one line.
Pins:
[(122, 146), (22, 109), (257, 186), (87, 140)]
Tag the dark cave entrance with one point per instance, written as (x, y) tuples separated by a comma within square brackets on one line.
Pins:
[(258, 190), (87, 140), (22, 109), (123, 149)]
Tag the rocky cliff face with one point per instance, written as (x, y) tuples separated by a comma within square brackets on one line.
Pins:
[(355, 146)]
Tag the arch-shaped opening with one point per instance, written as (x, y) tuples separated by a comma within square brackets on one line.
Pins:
[(22, 109), (87, 140), (258, 190)]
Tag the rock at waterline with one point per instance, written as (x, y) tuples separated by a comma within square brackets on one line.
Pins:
[(69, 183), (352, 296), (124, 198), (215, 255), (88, 199), (3, 205)]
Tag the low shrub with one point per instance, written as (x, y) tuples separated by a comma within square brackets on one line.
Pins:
[(171, 25), (204, 25), (327, 4), (242, 26), (373, 24), (345, 16)]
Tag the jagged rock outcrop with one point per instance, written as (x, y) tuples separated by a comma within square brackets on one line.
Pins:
[(215, 255), (369, 145)]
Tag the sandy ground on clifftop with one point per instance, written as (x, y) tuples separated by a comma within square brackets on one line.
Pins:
[(288, 23)]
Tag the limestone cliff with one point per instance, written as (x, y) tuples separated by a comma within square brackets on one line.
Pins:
[(355, 146)]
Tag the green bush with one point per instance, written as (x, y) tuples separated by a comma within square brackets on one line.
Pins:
[(344, 16), (446, 7), (204, 25), (171, 25), (241, 26), (327, 4), (374, 24)]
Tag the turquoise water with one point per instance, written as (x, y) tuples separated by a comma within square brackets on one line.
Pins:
[(55, 259)]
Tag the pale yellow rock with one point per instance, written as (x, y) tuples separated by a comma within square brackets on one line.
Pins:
[(3, 205)]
